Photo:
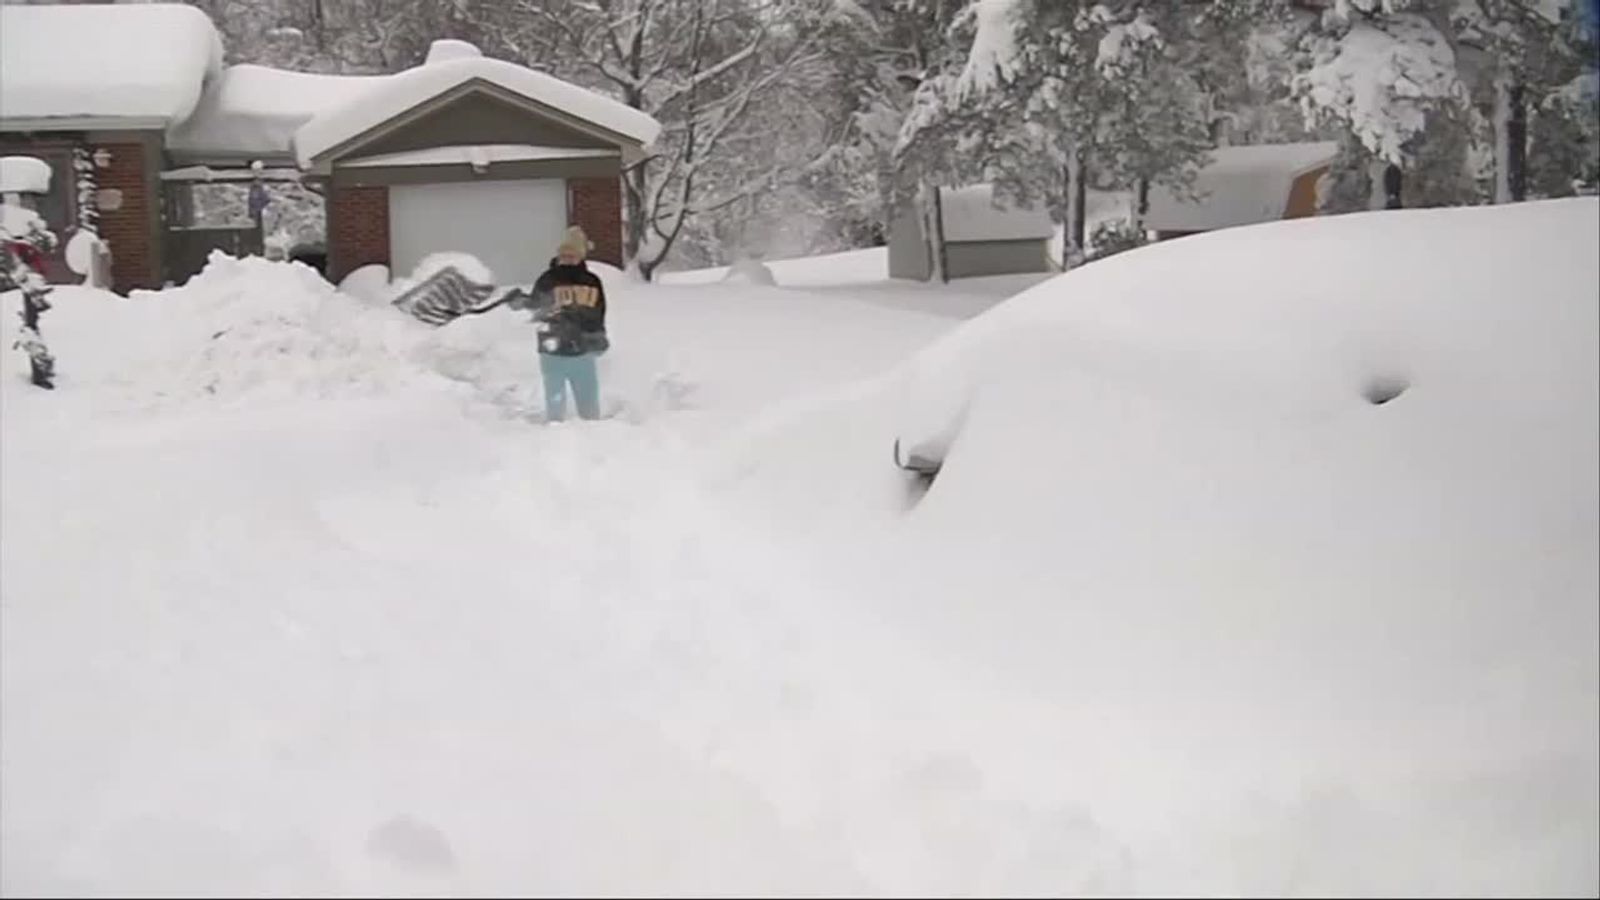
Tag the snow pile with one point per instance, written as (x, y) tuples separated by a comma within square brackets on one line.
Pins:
[(749, 271), (1306, 568), (125, 60), (18, 221), (446, 50), (869, 265), (468, 265), (242, 331), (24, 175), (251, 331), (369, 284)]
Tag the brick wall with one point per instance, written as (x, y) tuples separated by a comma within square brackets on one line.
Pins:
[(135, 256), (358, 229), (135, 261), (595, 204)]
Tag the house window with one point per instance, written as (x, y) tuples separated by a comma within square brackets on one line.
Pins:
[(58, 208)]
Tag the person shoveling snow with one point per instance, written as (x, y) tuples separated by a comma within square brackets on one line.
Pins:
[(569, 304)]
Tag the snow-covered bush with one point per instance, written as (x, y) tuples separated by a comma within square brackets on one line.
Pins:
[(24, 239), (749, 271), (1113, 236)]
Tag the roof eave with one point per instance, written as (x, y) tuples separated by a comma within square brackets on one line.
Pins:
[(84, 123), (632, 151)]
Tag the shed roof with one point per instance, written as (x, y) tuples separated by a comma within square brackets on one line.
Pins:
[(1240, 186), (144, 64), (971, 214)]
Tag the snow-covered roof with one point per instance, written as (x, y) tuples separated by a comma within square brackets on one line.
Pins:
[(478, 154), (1240, 186), (140, 63), (24, 175), (451, 65), (254, 111), (970, 214)]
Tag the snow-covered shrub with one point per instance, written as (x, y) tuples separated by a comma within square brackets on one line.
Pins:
[(1113, 236), (749, 271)]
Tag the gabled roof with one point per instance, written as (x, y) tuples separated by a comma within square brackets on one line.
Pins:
[(447, 72), (1240, 186), (144, 64)]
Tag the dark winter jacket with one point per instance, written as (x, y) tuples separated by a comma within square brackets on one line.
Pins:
[(569, 304)]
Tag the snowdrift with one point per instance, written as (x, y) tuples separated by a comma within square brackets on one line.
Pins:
[(1261, 564), (1302, 517), (246, 332)]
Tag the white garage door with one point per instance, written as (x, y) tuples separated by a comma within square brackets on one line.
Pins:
[(513, 226)]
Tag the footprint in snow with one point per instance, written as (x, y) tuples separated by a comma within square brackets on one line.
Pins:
[(411, 844)]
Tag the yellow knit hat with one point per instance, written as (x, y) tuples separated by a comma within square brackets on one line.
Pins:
[(575, 242)]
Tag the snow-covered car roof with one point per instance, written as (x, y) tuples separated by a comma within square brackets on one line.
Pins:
[(137, 62)]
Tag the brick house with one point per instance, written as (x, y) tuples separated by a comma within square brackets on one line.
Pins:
[(150, 64), (461, 153)]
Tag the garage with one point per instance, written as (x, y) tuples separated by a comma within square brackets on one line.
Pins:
[(467, 154), (513, 226)]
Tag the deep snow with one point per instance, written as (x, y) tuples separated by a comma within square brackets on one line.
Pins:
[(295, 598), (126, 61)]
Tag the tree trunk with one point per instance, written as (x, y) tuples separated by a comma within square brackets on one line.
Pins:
[(633, 219), (1077, 184), (930, 209), (1511, 141), (1517, 149), (1393, 184)]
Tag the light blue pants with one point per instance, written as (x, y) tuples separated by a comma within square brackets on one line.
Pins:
[(578, 371)]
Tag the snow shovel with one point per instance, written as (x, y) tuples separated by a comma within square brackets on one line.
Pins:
[(448, 295)]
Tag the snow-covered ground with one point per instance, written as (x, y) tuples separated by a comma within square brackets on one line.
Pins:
[(298, 598), (862, 276)]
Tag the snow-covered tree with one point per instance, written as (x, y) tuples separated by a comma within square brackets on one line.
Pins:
[(1444, 88), (24, 238), (1564, 140), (1523, 50), (1380, 76), (1091, 92), (894, 69)]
